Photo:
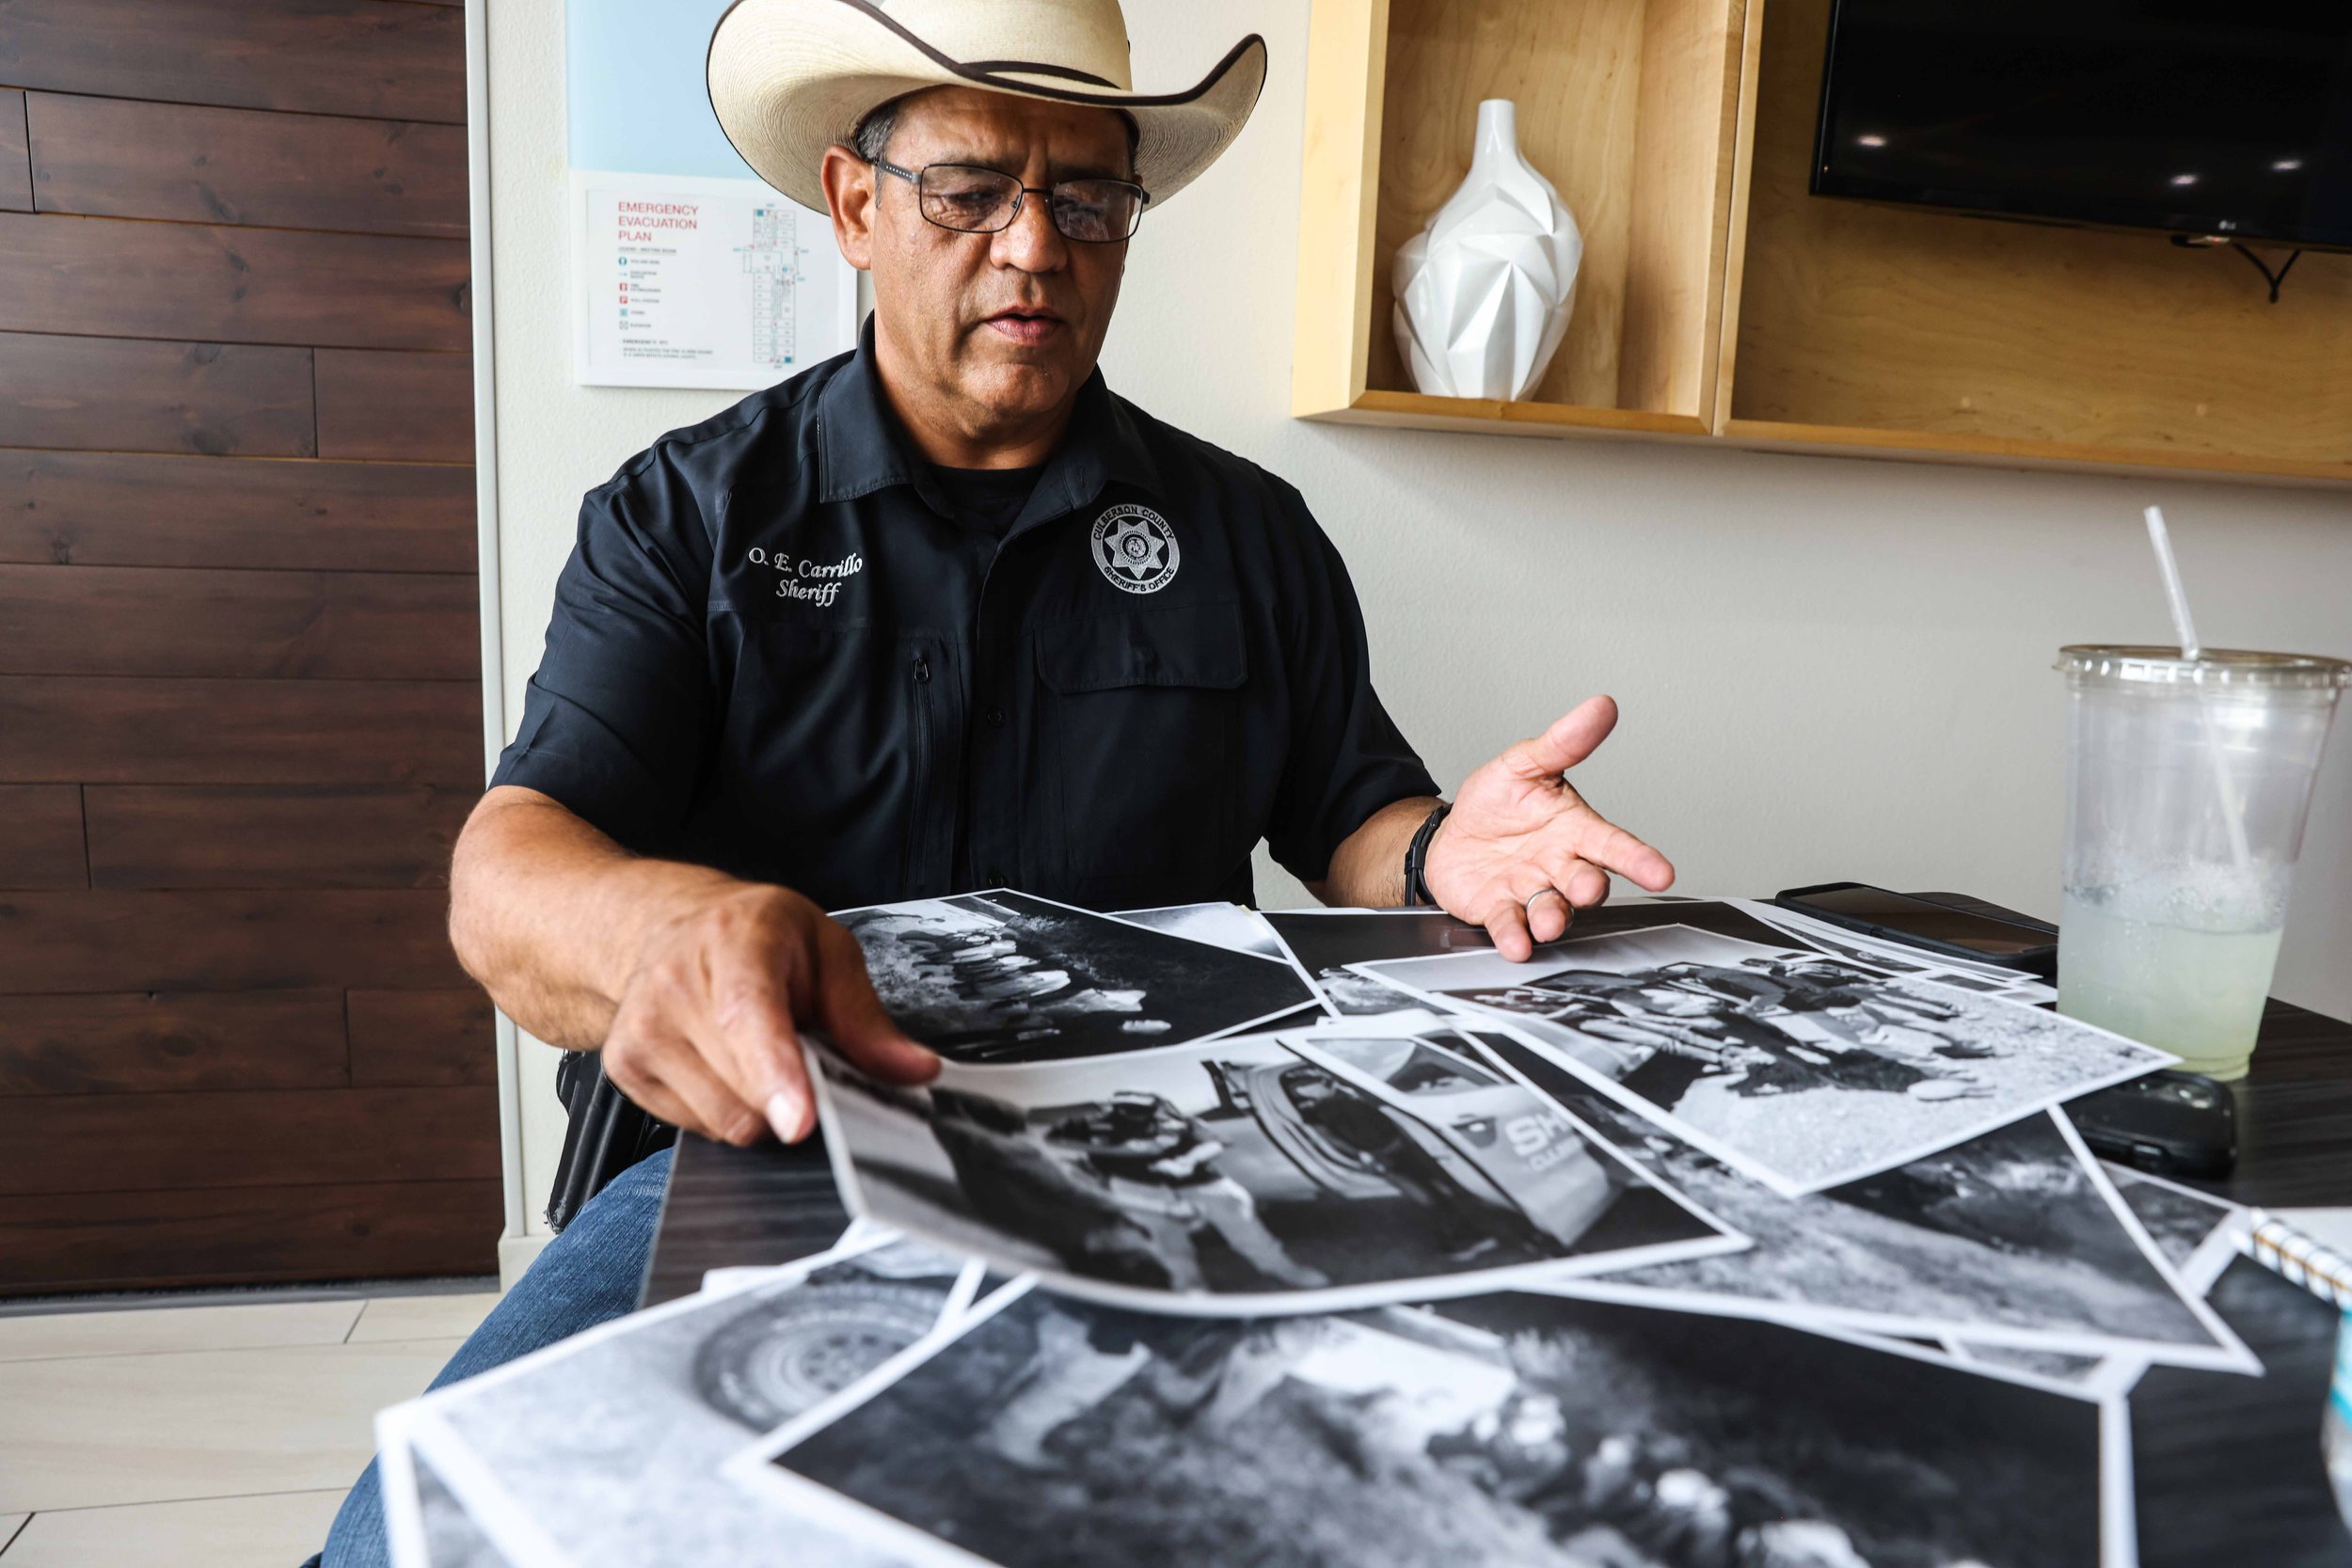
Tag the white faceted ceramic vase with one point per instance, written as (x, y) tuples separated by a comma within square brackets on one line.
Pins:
[(1483, 293)]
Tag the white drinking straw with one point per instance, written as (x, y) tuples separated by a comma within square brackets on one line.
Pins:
[(2161, 538), (2232, 814)]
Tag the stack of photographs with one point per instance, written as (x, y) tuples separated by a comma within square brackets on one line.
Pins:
[(1709, 1237)]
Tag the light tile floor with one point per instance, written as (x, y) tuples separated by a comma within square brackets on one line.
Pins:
[(202, 1436)]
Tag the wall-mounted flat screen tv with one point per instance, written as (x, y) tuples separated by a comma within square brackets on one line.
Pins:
[(2221, 117)]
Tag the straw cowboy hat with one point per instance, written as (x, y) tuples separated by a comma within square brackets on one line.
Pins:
[(789, 78)]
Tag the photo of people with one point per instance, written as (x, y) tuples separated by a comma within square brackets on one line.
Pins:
[(2014, 1236), (1801, 1070), (1005, 976), (1251, 1174), (1506, 1429)]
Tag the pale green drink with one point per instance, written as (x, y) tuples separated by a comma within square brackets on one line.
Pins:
[(2187, 785), (2196, 991)]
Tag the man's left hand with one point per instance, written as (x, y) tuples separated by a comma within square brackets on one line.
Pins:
[(1521, 852)]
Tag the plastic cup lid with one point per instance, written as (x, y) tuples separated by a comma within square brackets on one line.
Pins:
[(2222, 667)]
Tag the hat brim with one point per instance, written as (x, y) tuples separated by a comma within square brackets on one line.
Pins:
[(791, 78)]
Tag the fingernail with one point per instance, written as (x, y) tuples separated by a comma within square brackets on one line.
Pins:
[(785, 1114), (744, 1129)]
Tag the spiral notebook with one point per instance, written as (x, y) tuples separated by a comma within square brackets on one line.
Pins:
[(2312, 1248)]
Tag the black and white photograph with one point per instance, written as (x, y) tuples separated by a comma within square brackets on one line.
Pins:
[(425, 1526), (1246, 1175), (1323, 943), (1006, 977), (2193, 1230), (450, 1539), (1228, 926), (2095, 1378), (1506, 1429), (1944, 969), (1801, 1070), (604, 1451), (2016, 1236), (2060, 1368)]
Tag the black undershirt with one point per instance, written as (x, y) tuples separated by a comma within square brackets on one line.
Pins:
[(987, 499)]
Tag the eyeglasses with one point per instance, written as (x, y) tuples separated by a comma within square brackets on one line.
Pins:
[(974, 200)]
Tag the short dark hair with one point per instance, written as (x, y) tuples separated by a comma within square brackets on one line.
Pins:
[(871, 139)]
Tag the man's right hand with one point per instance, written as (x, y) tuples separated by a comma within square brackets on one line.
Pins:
[(707, 1034)]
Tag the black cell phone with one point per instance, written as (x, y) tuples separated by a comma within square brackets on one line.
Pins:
[(1899, 917), (2168, 1123)]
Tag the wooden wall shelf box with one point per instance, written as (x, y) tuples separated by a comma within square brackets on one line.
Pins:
[(1720, 302)]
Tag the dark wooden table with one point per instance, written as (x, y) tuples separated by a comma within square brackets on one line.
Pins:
[(2228, 1468)]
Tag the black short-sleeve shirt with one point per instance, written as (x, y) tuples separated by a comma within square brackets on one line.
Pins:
[(777, 651)]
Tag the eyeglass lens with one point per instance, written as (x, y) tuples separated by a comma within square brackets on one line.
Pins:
[(982, 200)]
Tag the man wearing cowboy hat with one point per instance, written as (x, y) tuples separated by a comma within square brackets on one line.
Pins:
[(944, 613)]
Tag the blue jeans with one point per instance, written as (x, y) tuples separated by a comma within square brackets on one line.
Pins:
[(587, 1276)]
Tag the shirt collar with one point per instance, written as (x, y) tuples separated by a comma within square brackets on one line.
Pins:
[(861, 448)]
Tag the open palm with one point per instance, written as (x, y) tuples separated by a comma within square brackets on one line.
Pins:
[(1518, 832)]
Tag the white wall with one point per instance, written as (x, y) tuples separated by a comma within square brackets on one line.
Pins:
[(1829, 668)]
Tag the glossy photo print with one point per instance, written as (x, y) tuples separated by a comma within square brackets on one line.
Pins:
[(1801, 1070), (1501, 1431), (1254, 1173), (1006, 977), (603, 1450), (2014, 1237)]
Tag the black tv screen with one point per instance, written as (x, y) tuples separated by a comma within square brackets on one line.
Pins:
[(2224, 118)]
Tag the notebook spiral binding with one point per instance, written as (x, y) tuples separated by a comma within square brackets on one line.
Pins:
[(2281, 1247)]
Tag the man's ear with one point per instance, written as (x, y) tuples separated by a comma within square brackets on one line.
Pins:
[(850, 197)]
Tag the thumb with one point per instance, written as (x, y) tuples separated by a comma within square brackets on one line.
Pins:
[(854, 1018), (1573, 736)]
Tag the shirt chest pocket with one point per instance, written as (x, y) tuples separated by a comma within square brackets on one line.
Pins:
[(1142, 719), (832, 744)]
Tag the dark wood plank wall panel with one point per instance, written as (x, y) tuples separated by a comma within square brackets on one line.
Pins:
[(41, 839), (104, 940), (165, 621), (271, 836), (104, 729), (119, 509), (423, 1036), (110, 278), (238, 671), (107, 157), (259, 1138), (380, 58), (127, 394), (16, 196), (149, 1042), (109, 1241), (409, 407)]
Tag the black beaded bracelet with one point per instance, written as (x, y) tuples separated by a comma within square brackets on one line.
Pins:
[(1416, 857)]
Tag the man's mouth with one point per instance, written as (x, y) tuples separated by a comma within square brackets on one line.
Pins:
[(1027, 325)]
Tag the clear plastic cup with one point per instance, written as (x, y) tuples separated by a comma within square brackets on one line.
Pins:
[(2188, 784)]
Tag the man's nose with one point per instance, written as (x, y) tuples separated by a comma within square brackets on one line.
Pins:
[(1030, 241)]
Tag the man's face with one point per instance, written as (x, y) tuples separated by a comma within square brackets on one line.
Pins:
[(986, 329)]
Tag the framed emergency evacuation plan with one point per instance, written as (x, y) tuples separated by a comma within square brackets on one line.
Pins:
[(687, 269)]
